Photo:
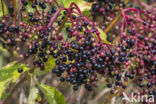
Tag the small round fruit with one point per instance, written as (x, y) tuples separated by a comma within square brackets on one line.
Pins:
[(20, 70)]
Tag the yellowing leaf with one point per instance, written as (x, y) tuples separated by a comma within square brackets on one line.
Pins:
[(103, 36), (10, 73), (52, 95), (84, 5)]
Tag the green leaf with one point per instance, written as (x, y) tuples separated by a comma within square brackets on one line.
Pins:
[(3, 86), (103, 36), (52, 95), (39, 98), (33, 94), (48, 67), (5, 8), (81, 4), (9, 73), (29, 8)]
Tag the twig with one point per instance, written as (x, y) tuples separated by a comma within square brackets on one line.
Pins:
[(21, 98), (113, 100), (61, 27), (80, 94), (11, 51), (14, 5), (112, 24)]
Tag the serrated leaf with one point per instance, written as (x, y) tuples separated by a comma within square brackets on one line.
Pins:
[(52, 95), (9, 73), (33, 94), (5, 8), (48, 67)]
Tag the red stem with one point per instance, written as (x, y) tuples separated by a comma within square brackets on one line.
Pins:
[(55, 15), (137, 10), (77, 8)]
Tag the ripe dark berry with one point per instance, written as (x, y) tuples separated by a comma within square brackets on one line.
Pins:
[(109, 85), (33, 5), (144, 23), (11, 9), (40, 3), (24, 2), (141, 37), (86, 23), (20, 70), (30, 14), (62, 79), (43, 6), (23, 8), (59, 22), (1, 25), (74, 16), (149, 85), (75, 88), (54, 9), (141, 85)]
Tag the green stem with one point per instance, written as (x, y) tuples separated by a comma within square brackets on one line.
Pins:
[(2, 6), (61, 27), (2, 40)]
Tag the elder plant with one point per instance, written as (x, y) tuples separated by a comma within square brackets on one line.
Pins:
[(44, 36)]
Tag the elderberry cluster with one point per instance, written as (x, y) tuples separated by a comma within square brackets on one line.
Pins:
[(142, 40), (81, 55), (106, 9)]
